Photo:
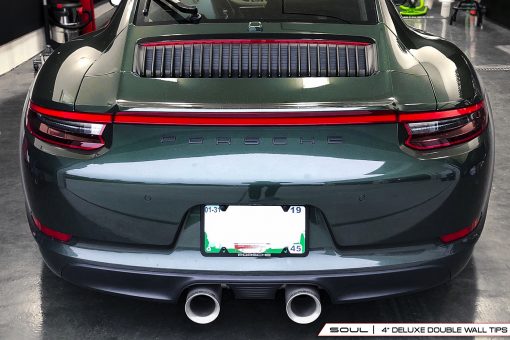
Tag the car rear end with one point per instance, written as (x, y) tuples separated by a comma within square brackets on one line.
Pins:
[(342, 129)]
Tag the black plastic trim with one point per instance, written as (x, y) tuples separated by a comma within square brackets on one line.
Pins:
[(340, 286)]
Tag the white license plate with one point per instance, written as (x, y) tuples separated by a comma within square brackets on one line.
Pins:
[(254, 231)]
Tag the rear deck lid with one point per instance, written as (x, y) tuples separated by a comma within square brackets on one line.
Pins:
[(220, 66)]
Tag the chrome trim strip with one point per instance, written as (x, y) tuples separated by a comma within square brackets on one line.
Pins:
[(127, 106)]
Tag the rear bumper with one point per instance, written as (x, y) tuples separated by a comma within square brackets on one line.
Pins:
[(373, 234), (340, 285)]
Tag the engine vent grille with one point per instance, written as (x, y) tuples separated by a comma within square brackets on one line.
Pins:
[(255, 59)]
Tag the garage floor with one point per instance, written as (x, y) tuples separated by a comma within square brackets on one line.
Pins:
[(36, 304)]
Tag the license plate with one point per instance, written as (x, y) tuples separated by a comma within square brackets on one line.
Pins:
[(254, 230)]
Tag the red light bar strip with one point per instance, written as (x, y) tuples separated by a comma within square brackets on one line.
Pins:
[(72, 115), (254, 41), (50, 232), (340, 119), (461, 233), (438, 115)]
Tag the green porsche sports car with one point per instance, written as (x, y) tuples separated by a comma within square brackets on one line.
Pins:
[(322, 147)]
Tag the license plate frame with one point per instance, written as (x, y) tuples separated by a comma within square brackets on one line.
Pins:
[(224, 252)]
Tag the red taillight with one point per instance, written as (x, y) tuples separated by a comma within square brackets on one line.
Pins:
[(67, 129), (448, 238), (57, 235), (427, 131)]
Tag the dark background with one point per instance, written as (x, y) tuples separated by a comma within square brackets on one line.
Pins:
[(20, 17), (499, 11)]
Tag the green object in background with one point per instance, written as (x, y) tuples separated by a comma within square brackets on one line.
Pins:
[(414, 8)]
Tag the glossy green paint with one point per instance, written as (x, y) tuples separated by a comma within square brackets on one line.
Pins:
[(452, 76), (95, 74), (185, 256), (145, 188)]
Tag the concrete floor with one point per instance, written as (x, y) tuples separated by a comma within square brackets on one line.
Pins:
[(36, 304)]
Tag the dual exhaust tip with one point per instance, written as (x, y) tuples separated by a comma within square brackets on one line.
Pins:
[(203, 304), (302, 304)]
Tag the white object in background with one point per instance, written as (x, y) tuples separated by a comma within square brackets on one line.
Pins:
[(102, 9), (429, 3), (445, 8), (17, 51)]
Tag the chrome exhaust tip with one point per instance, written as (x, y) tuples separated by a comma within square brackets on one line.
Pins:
[(303, 304), (203, 304)]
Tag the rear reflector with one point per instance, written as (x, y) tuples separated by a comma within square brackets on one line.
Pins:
[(461, 233), (48, 125), (57, 235), (433, 130)]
